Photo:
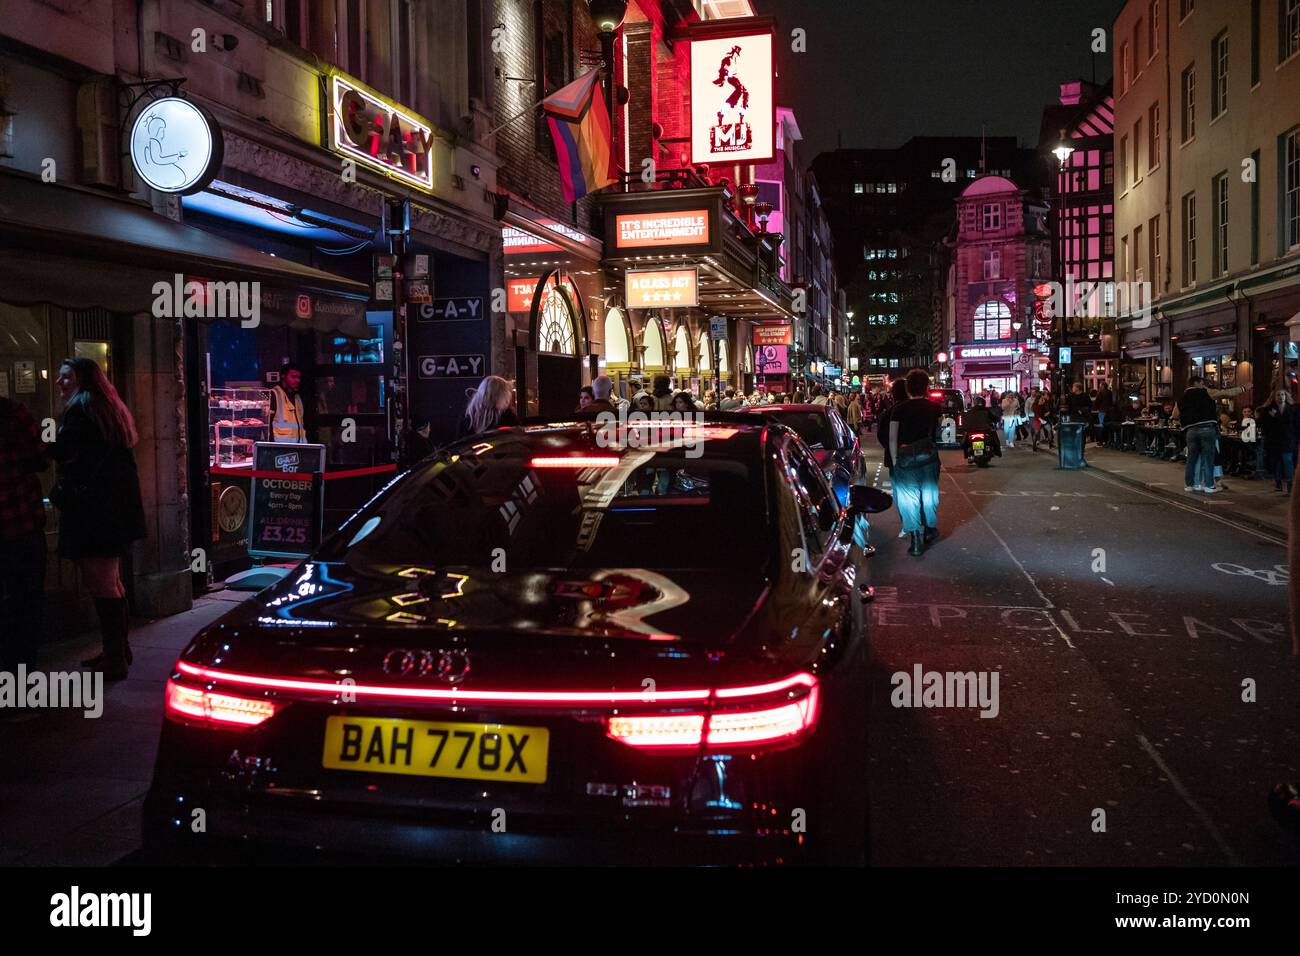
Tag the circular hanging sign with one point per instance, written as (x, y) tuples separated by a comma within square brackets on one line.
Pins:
[(176, 146)]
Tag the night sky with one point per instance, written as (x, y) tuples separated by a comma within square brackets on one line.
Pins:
[(882, 71)]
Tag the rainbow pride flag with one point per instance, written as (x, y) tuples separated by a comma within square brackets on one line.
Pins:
[(584, 147)]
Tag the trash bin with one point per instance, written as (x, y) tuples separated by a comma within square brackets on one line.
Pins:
[(1070, 445)]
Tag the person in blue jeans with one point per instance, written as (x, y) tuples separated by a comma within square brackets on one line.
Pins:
[(1200, 418), (912, 426)]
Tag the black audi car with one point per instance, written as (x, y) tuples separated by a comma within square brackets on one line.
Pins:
[(833, 443), (549, 643)]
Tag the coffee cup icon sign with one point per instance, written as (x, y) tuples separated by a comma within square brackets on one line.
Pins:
[(171, 145)]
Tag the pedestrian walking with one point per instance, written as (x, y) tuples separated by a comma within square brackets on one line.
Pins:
[(853, 415), (663, 393), (1276, 420), (22, 537), (1010, 417), (489, 407), (97, 492), (912, 448)]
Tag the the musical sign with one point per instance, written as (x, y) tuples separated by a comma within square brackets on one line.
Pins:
[(285, 513), (733, 105)]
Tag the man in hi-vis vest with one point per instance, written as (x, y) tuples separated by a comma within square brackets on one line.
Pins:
[(288, 424)]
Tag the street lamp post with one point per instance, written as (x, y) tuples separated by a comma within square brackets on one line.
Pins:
[(608, 16)]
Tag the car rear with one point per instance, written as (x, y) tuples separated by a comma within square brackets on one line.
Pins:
[(442, 711)]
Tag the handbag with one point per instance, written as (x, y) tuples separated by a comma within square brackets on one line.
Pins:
[(919, 453)]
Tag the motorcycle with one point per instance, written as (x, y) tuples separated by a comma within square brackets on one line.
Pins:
[(979, 449)]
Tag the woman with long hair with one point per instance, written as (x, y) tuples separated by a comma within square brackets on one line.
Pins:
[(98, 497), (489, 407)]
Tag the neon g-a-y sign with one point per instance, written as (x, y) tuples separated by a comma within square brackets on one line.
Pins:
[(378, 134)]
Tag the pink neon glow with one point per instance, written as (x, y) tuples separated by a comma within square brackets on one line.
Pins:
[(579, 461), (331, 688)]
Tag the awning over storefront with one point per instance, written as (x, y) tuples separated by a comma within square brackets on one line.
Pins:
[(78, 249)]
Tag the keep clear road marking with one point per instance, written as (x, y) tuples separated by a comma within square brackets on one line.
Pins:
[(1197, 810), (1047, 603)]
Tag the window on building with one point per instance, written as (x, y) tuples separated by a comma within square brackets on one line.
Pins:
[(857, 188), (1288, 24), (970, 174), (1219, 74), (991, 216), (295, 20), (1184, 8), (1123, 161), (1123, 263), (1137, 150), (1254, 212), (1153, 136), (1138, 31), (1220, 195), (1188, 97), (1290, 174), (1254, 43), (992, 321), (1139, 273), (1153, 256), (1189, 239), (992, 264), (475, 37), (1125, 68), (1153, 28)]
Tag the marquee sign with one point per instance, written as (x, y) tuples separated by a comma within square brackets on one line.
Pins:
[(176, 146), (772, 335), (654, 229), (733, 103), (670, 287), (375, 133)]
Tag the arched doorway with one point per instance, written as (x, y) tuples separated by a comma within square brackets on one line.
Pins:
[(655, 350), (706, 359), (618, 352), (747, 368), (724, 364), (559, 366)]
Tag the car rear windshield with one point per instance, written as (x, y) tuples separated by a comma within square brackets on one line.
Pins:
[(651, 510), (813, 427)]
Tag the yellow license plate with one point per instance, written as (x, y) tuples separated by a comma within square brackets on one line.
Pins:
[(426, 748)]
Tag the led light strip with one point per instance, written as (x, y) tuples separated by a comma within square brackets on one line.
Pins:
[(801, 679)]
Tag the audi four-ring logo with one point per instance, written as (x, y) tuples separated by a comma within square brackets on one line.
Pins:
[(450, 667)]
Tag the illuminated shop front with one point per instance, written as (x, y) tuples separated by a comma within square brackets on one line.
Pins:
[(977, 368)]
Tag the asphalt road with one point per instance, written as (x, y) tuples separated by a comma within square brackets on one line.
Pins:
[(1124, 631)]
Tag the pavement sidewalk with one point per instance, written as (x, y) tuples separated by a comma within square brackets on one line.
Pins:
[(1255, 503), (71, 788)]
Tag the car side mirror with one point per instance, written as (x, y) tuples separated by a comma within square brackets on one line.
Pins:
[(866, 500)]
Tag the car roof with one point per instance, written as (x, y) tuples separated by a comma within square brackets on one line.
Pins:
[(740, 437), (791, 407)]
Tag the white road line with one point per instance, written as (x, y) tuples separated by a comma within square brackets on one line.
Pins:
[(1047, 603), (1196, 808), (1278, 538)]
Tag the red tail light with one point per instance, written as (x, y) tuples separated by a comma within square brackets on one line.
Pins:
[(936, 394), (764, 720), (575, 461), (195, 705), (975, 435)]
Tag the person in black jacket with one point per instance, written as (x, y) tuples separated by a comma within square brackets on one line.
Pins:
[(98, 496), (1277, 421), (1200, 420)]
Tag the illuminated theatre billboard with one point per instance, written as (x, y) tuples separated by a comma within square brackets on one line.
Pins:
[(733, 103)]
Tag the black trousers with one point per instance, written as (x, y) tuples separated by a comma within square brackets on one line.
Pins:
[(22, 599)]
